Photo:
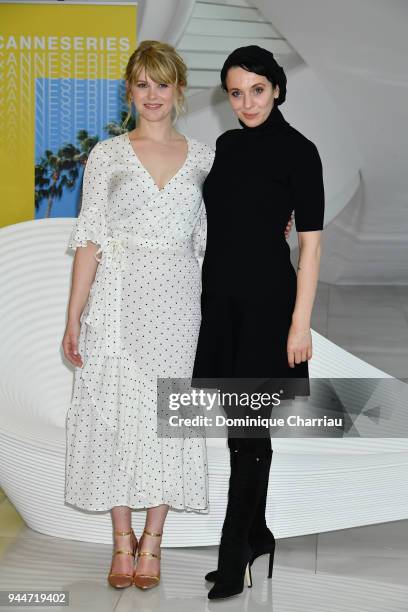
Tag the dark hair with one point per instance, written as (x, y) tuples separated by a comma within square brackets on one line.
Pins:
[(258, 60)]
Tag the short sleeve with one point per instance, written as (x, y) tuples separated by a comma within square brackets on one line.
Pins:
[(91, 222), (307, 189), (200, 233)]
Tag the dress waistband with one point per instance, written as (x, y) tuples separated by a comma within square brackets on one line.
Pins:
[(114, 247)]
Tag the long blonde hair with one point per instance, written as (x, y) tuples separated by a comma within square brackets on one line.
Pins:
[(163, 65)]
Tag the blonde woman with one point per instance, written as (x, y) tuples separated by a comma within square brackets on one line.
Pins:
[(134, 315)]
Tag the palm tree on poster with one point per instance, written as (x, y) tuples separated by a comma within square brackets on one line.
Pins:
[(58, 171), (63, 172), (41, 182)]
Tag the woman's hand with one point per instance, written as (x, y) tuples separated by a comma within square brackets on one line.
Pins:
[(299, 345), (70, 343), (289, 226)]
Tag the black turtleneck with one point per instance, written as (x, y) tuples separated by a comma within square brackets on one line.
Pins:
[(274, 118), (259, 176)]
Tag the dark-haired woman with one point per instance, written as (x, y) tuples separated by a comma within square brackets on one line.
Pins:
[(256, 310)]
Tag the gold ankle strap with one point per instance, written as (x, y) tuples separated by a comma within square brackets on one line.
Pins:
[(146, 553), (123, 533), (124, 552), (151, 533)]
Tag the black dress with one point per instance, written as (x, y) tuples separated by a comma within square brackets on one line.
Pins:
[(258, 177)]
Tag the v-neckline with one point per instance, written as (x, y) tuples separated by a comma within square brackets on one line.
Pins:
[(126, 134)]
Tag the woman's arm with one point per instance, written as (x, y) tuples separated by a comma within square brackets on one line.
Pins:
[(83, 275), (307, 191), (89, 231), (299, 345)]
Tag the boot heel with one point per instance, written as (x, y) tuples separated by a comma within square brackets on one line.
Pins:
[(248, 575), (271, 555)]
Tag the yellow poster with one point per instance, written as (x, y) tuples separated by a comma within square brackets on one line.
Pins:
[(62, 87)]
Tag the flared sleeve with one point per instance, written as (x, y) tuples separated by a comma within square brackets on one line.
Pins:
[(91, 221), (307, 188)]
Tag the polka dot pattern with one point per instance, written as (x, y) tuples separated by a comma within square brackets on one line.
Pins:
[(141, 321)]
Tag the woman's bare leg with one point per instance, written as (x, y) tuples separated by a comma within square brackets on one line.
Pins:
[(155, 518), (122, 521)]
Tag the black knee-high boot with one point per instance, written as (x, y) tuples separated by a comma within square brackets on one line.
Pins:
[(260, 538), (233, 450), (243, 497)]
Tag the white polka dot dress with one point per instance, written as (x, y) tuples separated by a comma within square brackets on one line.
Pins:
[(141, 321)]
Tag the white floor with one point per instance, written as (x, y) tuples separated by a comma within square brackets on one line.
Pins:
[(364, 568)]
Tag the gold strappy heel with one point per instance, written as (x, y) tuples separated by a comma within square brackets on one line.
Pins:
[(118, 580), (147, 581)]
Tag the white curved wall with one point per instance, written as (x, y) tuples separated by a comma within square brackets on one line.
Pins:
[(358, 50)]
